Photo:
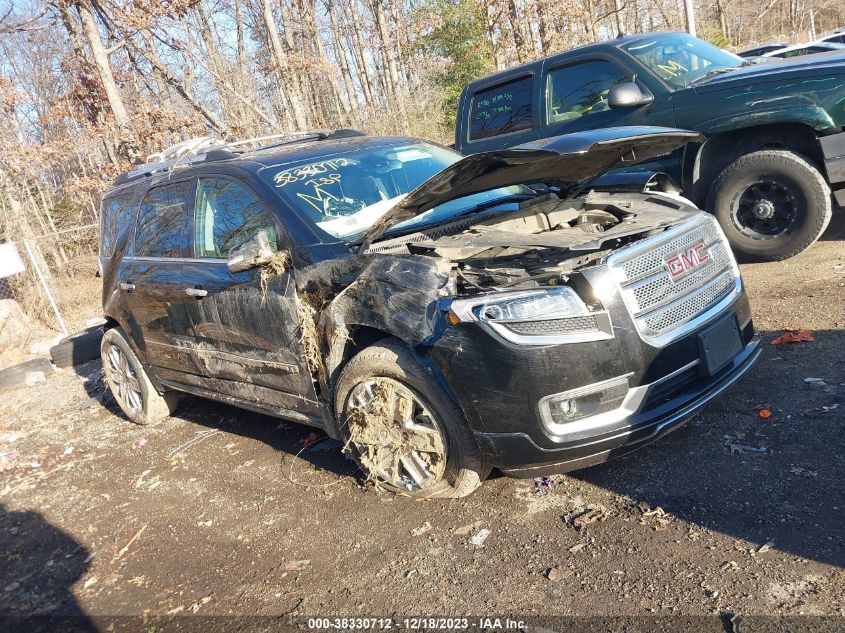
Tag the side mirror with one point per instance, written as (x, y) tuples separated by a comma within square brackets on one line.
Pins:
[(251, 254), (628, 95)]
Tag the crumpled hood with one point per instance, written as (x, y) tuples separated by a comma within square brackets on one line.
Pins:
[(565, 161)]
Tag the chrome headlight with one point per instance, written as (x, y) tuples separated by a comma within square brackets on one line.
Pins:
[(545, 316)]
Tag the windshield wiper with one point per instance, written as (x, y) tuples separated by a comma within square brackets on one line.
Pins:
[(711, 73), (483, 206)]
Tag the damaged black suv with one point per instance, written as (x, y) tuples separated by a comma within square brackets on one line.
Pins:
[(440, 315)]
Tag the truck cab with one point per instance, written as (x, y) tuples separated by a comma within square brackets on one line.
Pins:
[(773, 161)]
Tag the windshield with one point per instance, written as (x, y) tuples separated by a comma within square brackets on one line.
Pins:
[(681, 59), (344, 194)]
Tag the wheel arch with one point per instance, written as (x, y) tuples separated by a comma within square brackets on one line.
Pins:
[(720, 150), (361, 336)]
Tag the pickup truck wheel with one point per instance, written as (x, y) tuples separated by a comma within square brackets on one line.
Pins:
[(771, 204), (404, 432), (129, 383)]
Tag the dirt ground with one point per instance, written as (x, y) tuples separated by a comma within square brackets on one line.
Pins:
[(220, 511)]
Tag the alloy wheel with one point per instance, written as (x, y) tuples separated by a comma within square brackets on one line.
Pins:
[(123, 381), (394, 435)]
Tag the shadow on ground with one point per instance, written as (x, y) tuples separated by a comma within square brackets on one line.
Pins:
[(288, 438), (793, 494), (39, 563)]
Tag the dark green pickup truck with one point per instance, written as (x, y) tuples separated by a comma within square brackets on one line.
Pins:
[(775, 131)]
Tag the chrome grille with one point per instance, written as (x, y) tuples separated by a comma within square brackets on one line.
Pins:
[(662, 308)]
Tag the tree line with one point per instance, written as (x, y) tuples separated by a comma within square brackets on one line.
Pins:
[(88, 87)]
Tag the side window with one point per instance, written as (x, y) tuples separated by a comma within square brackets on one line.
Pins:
[(112, 212), (160, 231), (227, 215), (500, 110), (581, 89)]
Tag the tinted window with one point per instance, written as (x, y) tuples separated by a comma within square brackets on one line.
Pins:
[(115, 217), (500, 110), (226, 216), (160, 231), (581, 89)]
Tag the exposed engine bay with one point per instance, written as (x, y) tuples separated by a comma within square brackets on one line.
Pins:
[(544, 240)]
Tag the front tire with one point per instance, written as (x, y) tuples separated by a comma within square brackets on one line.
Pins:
[(771, 204), (129, 383), (402, 429)]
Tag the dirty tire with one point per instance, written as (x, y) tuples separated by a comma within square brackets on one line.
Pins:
[(389, 358), (798, 177), (77, 349), (154, 406)]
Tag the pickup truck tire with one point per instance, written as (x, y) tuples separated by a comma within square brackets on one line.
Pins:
[(771, 204), (129, 383), (388, 363)]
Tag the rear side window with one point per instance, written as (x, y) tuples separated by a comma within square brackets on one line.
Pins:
[(500, 110), (581, 89), (226, 216), (161, 224), (115, 217)]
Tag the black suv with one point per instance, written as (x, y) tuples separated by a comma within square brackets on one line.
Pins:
[(436, 313)]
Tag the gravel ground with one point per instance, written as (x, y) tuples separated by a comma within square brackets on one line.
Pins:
[(220, 511)]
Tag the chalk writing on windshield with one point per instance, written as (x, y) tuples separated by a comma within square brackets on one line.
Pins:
[(311, 180), (314, 170)]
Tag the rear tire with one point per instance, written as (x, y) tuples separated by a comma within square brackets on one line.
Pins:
[(129, 383), (389, 366), (771, 204)]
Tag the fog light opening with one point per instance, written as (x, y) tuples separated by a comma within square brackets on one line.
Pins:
[(568, 407), (586, 403)]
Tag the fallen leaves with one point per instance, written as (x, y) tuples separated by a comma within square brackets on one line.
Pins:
[(794, 335)]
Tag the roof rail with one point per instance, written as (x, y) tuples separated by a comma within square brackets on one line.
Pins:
[(210, 148)]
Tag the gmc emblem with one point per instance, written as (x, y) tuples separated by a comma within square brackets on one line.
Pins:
[(683, 263)]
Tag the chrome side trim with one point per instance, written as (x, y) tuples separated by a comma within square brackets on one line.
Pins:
[(184, 260)]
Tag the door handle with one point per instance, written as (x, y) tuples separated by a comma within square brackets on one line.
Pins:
[(127, 286), (196, 292)]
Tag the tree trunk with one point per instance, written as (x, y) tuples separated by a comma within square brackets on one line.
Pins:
[(348, 85), (294, 98), (364, 75), (516, 30), (101, 61), (178, 86)]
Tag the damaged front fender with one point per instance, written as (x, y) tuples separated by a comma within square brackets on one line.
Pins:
[(395, 294)]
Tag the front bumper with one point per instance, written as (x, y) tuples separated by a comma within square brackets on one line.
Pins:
[(499, 386), (519, 456)]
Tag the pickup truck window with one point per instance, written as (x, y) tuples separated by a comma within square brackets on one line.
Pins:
[(502, 109), (681, 59), (581, 89)]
